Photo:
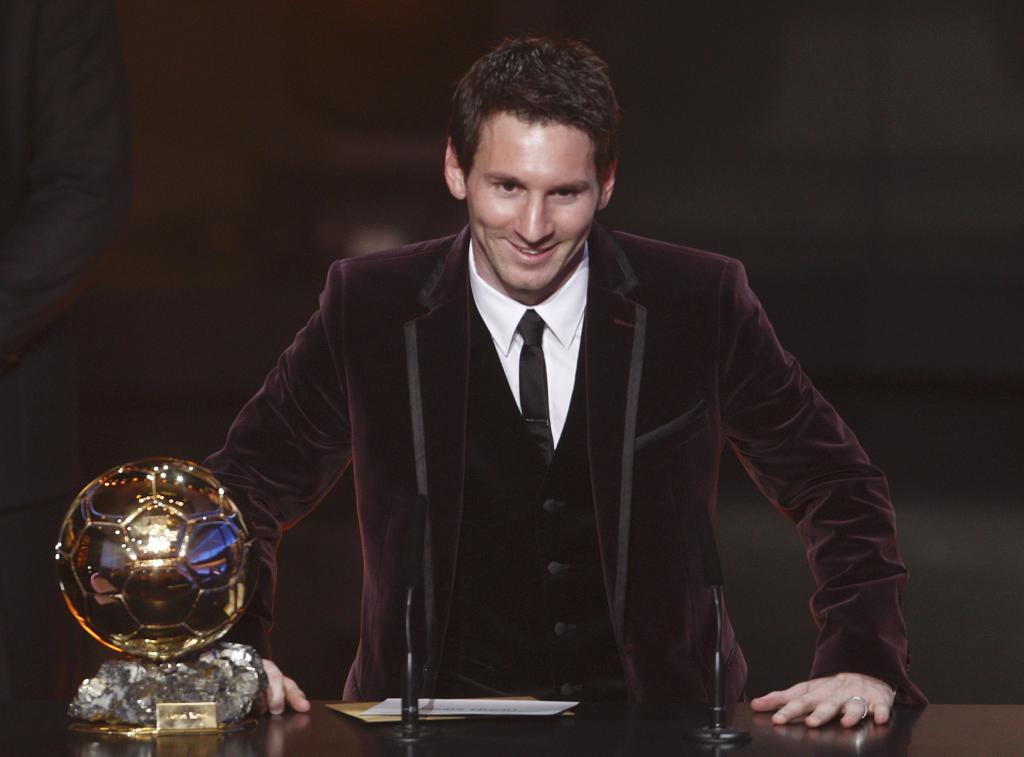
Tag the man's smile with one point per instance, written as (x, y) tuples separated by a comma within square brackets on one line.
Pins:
[(533, 252)]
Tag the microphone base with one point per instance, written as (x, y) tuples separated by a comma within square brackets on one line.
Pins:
[(411, 735), (718, 735)]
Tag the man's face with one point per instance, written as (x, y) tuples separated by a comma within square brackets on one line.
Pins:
[(531, 194)]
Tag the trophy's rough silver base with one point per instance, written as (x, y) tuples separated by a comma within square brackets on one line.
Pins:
[(145, 732), (126, 691)]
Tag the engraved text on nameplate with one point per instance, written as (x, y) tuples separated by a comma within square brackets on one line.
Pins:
[(185, 716)]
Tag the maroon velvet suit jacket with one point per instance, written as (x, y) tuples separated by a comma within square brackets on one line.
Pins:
[(679, 359)]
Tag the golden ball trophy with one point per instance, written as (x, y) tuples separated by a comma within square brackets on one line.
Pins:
[(155, 561)]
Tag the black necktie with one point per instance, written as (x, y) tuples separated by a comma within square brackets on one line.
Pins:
[(533, 383)]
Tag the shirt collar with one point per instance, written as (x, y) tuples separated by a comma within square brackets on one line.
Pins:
[(562, 311)]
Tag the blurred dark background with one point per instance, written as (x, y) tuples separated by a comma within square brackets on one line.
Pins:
[(865, 161)]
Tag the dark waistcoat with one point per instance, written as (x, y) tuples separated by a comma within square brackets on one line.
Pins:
[(529, 613)]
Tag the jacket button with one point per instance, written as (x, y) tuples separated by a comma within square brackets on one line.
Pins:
[(571, 689), (561, 629), (553, 505)]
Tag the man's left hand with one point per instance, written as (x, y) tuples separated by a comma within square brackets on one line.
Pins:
[(851, 696)]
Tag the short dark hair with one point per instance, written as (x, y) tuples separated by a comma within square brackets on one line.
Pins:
[(540, 80)]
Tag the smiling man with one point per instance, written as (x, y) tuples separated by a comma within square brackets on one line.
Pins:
[(559, 396)]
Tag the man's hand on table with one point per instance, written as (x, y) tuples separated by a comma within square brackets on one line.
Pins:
[(282, 690), (850, 696)]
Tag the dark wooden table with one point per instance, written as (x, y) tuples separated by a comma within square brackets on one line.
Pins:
[(39, 729)]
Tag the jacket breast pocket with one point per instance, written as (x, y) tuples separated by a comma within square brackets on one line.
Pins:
[(676, 431)]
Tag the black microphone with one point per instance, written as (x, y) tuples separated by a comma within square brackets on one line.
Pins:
[(412, 577), (716, 731)]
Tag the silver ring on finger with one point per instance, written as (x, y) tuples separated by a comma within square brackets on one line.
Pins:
[(863, 703)]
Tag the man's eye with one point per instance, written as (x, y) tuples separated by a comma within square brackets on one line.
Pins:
[(507, 186)]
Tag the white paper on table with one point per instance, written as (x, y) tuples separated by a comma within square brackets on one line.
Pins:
[(492, 707)]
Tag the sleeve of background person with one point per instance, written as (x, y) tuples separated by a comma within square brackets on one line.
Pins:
[(806, 461), (287, 448), (77, 153)]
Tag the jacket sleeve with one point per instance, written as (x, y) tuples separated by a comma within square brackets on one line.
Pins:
[(807, 461), (287, 449), (78, 170)]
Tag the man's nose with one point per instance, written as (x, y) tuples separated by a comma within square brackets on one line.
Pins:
[(535, 225)]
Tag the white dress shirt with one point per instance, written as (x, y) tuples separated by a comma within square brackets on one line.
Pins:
[(563, 327)]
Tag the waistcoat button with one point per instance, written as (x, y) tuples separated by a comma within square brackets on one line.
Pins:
[(561, 629), (556, 568), (553, 505)]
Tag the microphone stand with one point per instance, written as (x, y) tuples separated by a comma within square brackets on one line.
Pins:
[(716, 731), (410, 676), (412, 576)]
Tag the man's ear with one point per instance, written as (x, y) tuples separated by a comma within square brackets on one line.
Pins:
[(453, 175), (607, 186)]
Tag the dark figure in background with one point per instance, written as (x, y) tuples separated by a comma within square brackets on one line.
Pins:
[(561, 396), (64, 185)]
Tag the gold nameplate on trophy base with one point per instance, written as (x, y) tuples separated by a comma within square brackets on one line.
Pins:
[(186, 716)]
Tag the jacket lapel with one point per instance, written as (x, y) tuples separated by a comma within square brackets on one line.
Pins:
[(437, 361), (614, 348)]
